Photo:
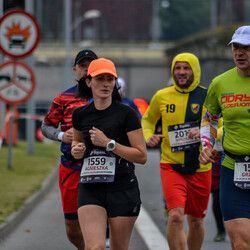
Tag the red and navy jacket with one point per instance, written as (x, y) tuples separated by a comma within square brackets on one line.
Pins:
[(60, 114)]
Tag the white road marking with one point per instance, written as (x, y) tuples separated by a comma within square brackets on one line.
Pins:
[(149, 232)]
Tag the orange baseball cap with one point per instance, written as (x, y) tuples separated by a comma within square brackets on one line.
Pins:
[(101, 66)]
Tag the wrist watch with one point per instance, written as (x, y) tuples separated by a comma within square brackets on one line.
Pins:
[(111, 145)]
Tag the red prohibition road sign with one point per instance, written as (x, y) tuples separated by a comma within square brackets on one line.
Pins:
[(19, 33), (17, 82)]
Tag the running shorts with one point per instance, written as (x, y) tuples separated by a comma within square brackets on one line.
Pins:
[(188, 191), (125, 202), (234, 202), (68, 183)]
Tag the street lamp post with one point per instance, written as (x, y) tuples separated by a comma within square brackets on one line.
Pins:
[(90, 14), (67, 70), (156, 22)]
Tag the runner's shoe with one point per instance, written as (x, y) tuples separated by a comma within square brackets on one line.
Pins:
[(107, 236), (220, 237), (107, 242)]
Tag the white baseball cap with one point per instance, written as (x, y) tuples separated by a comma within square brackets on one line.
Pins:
[(122, 84), (241, 36)]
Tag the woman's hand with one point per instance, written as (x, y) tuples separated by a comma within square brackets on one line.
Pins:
[(78, 150), (98, 138)]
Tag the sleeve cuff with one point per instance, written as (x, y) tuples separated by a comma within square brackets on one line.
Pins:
[(60, 136)]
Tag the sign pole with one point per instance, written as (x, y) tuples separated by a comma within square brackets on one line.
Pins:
[(2, 104), (30, 124), (10, 136)]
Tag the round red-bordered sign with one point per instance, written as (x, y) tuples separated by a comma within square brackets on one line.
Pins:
[(19, 33), (17, 82)]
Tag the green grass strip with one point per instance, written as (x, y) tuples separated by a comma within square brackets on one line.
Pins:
[(26, 175)]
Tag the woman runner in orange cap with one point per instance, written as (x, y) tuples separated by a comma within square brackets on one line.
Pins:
[(109, 136)]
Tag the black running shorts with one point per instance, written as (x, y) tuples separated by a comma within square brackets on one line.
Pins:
[(125, 202)]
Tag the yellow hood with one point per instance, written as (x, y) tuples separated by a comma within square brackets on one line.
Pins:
[(195, 65)]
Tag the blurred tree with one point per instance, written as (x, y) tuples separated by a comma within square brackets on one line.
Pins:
[(12, 4), (183, 18)]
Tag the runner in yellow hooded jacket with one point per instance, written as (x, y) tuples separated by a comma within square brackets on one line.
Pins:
[(186, 183)]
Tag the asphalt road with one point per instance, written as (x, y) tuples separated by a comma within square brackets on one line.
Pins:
[(43, 228)]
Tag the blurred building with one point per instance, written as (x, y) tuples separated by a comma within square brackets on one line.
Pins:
[(130, 21), (120, 20)]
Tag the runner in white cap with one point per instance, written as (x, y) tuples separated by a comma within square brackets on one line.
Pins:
[(229, 95)]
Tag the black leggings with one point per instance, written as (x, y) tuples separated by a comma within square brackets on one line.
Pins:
[(217, 211)]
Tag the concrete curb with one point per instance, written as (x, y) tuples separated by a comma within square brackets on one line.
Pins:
[(17, 217)]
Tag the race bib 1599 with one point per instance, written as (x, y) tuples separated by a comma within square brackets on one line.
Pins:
[(98, 166)]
